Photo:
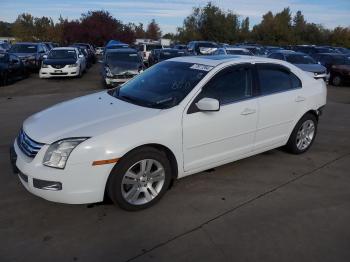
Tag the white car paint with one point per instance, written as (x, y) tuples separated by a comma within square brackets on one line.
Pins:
[(198, 141), (66, 71)]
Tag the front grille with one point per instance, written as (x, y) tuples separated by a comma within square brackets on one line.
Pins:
[(27, 145), (58, 66)]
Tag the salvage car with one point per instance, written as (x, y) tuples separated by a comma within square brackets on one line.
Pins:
[(303, 61), (164, 54), (120, 65), (31, 54), (11, 68), (146, 48), (338, 66), (201, 47), (179, 117), (63, 62), (228, 50)]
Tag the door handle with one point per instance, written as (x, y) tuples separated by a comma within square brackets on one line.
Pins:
[(248, 111), (300, 99)]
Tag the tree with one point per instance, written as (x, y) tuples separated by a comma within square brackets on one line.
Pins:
[(299, 28), (5, 29), (23, 27), (244, 30), (42, 27), (153, 31)]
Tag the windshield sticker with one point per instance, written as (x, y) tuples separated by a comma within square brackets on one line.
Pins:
[(32, 47), (202, 67), (132, 54)]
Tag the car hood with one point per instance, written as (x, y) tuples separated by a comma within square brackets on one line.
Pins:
[(85, 116), (67, 61), (314, 68), (123, 67)]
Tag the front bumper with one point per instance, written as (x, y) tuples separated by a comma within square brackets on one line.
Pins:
[(116, 81), (79, 183), (61, 72)]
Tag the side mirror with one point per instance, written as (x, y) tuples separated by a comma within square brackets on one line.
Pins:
[(80, 56), (44, 56), (319, 62), (208, 104)]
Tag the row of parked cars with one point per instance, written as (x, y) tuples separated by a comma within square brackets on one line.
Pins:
[(19, 60), (121, 62)]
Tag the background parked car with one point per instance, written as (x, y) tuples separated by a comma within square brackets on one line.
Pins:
[(152, 58), (63, 62), (167, 53), (146, 48), (31, 54), (313, 50), (338, 65), (201, 47), (256, 50), (99, 50), (90, 49), (85, 51), (120, 65), (11, 68), (4, 46), (228, 50), (303, 61)]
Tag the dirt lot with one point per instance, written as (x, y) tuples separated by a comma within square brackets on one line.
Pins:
[(270, 207)]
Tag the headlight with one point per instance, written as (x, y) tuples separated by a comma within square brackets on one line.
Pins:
[(108, 72), (57, 154), (44, 66), (73, 65)]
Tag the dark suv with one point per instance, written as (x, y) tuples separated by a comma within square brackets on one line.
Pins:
[(338, 65), (313, 50), (31, 54)]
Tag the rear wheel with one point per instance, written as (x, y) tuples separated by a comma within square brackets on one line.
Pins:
[(140, 179), (303, 134)]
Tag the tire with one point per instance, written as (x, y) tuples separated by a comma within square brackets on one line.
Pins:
[(336, 80), (80, 72), (303, 135), (132, 189)]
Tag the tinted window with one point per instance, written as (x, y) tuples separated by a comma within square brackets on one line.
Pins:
[(21, 48), (151, 47), (300, 59), (274, 79), (62, 54), (230, 85)]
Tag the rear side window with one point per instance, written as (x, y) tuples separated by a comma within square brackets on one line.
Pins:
[(230, 85), (274, 79)]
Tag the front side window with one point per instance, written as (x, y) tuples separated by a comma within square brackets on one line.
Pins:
[(230, 85), (274, 79), (163, 85)]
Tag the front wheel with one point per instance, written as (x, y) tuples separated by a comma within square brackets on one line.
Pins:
[(140, 179), (303, 134)]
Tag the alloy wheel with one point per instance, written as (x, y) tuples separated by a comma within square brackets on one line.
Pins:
[(305, 135)]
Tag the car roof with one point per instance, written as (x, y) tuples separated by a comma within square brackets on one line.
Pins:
[(332, 54), (28, 43), (236, 48), (215, 60), (121, 50)]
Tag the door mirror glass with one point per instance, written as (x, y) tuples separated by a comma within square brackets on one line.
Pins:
[(208, 104)]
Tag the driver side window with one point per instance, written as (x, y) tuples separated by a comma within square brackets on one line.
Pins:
[(230, 85)]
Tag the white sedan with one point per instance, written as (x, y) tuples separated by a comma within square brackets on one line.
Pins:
[(63, 62), (177, 118)]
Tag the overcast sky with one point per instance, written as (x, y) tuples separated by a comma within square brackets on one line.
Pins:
[(170, 13)]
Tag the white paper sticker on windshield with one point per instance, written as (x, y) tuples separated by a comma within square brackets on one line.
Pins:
[(201, 67)]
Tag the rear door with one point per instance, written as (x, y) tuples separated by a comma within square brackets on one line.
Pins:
[(280, 102)]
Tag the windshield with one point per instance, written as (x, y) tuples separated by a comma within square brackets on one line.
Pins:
[(300, 59), (125, 57), (23, 49), (163, 85), (170, 54), (62, 54)]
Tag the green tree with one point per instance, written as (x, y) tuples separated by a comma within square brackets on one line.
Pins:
[(5, 29), (299, 28), (23, 27)]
